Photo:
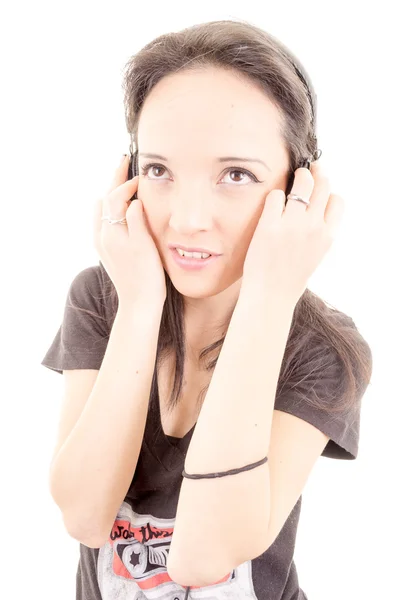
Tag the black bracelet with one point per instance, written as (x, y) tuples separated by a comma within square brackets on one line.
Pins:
[(223, 474)]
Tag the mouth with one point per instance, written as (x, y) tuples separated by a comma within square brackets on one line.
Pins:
[(192, 263), (187, 249)]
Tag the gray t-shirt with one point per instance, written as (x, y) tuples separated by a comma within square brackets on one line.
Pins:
[(132, 563)]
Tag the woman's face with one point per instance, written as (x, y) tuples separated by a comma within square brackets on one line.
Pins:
[(192, 198)]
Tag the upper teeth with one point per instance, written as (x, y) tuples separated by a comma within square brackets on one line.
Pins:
[(193, 254)]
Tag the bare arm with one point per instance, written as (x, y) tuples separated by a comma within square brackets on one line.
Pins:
[(233, 430), (91, 473)]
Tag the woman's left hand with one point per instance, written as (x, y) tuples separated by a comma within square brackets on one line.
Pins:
[(290, 241)]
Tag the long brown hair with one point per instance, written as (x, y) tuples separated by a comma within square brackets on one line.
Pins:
[(252, 53)]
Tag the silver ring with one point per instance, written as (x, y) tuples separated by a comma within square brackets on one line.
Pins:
[(113, 221), (298, 198)]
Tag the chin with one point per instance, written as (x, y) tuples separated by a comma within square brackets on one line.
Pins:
[(196, 290), (202, 286)]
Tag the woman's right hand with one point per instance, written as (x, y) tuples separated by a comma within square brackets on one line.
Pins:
[(128, 252)]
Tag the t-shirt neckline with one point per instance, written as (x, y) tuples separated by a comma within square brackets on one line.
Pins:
[(169, 450)]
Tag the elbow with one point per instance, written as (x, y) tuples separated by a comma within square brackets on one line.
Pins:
[(92, 535), (197, 572), (185, 569), (190, 577), (86, 537), (89, 542), (87, 533)]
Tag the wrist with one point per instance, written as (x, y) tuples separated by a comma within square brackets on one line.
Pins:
[(255, 295), (143, 308)]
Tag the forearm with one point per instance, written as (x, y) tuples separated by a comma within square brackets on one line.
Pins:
[(92, 472), (233, 430)]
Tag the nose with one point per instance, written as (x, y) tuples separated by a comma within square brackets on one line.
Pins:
[(190, 212)]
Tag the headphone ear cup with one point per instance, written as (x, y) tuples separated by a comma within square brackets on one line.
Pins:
[(135, 168)]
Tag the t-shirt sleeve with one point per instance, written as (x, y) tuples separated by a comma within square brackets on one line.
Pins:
[(81, 340), (325, 383)]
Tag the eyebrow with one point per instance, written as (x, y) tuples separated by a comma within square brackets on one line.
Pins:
[(220, 159)]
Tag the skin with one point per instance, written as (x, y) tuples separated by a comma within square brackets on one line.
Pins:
[(191, 198)]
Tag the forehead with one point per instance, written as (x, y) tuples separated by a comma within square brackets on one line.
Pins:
[(188, 109)]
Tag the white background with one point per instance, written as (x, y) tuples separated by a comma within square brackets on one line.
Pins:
[(62, 136)]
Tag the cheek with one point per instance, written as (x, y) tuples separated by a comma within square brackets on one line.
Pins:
[(243, 229), (154, 223)]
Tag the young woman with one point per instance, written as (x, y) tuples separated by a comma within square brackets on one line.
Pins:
[(171, 471)]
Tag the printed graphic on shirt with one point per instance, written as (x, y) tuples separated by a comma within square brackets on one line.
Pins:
[(133, 564)]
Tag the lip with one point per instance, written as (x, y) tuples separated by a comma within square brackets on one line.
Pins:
[(187, 249), (192, 264)]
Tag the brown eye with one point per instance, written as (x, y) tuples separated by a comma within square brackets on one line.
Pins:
[(244, 171), (145, 169)]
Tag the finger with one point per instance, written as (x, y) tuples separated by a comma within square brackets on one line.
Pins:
[(321, 192), (303, 186), (334, 214), (319, 198), (114, 205), (272, 209), (102, 206), (120, 174)]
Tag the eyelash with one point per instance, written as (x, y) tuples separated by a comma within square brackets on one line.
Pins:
[(145, 168)]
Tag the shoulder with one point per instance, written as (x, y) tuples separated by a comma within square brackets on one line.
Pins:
[(350, 332), (87, 290), (93, 278), (88, 278)]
